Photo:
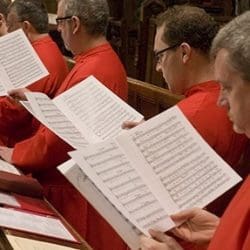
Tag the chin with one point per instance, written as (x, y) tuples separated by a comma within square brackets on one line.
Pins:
[(239, 130)]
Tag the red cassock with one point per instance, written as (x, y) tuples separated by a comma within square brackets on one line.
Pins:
[(16, 123), (44, 151), (233, 232)]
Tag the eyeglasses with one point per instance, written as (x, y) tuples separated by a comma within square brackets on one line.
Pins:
[(158, 54), (60, 19)]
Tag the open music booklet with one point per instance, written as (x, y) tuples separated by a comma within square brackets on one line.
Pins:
[(19, 64), (86, 113), (148, 173)]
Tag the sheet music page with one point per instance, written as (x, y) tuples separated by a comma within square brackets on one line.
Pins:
[(48, 114), (9, 199), (19, 64), (7, 167), (96, 111), (20, 243), (43, 225), (89, 191), (176, 163), (110, 170)]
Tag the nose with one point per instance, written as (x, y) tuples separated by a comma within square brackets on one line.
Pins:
[(158, 67), (58, 28)]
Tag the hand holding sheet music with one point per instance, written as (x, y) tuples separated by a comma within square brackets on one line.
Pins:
[(156, 169)]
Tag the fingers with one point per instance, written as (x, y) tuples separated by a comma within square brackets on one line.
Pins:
[(159, 236), (185, 215), (129, 124)]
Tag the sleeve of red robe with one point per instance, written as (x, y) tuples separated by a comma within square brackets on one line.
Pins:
[(233, 232)]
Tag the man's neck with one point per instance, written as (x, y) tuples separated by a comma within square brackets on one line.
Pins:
[(35, 36), (200, 71), (90, 43)]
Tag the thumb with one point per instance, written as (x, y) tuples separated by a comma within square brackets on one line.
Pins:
[(157, 235), (184, 215)]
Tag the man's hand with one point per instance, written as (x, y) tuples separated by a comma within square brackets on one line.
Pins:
[(199, 225), (18, 94), (131, 124), (6, 153), (159, 241)]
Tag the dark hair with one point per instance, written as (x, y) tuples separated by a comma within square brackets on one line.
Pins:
[(33, 11), (188, 24), (93, 14), (4, 7)]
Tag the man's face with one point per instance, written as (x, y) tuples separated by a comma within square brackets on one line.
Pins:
[(168, 63), (13, 22), (235, 93), (63, 26)]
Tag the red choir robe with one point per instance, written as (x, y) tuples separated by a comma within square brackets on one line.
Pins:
[(44, 151), (233, 232), (15, 122)]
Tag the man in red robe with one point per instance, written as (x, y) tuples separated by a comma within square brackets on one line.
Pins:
[(232, 232), (82, 24), (183, 38), (16, 123)]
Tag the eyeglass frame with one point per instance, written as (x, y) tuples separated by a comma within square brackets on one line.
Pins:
[(158, 53), (58, 19)]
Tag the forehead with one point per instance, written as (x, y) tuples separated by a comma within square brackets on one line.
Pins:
[(222, 69), (159, 43), (60, 8)]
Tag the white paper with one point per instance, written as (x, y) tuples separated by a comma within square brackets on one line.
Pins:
[(44, 109), (8, 199), (20, 243), (7, 167), (86, 113), (164, 157), (109, 168), (48, 226), (19, 64), (173, 159), (95, 110), (83, 184)]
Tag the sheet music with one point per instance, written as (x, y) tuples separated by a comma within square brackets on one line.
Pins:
[(176, 162), (19, 63), (110, 170), (48, 226), (20, 243), (89, 191), (8, 199), (96, 111), (7, 167), (47, 113)]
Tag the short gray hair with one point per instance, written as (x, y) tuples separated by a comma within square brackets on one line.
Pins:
[(93, 14), (235, 38), (33, 11)]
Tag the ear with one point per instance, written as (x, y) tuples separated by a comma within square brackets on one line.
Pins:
[(186, 52), (26, 26), (2, 19), (76, 24)]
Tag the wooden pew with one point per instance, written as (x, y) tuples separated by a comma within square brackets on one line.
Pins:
[(149, 99)]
